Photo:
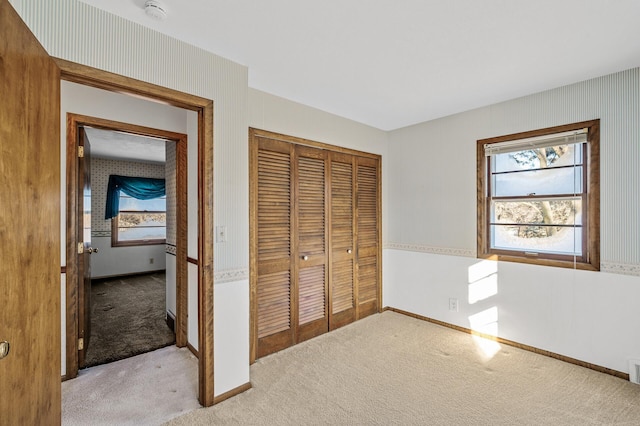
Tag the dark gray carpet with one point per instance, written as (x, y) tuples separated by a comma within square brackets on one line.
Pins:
[(127, 318)]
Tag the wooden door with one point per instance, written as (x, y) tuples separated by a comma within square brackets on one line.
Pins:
[(367, 231), (291, 285), (310, 301), (84, 258), (273, 326), (29, 226), (342, 260), (315, 239)]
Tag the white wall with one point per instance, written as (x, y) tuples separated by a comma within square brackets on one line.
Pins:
[(431, 239), (114, 261), (231, 335)]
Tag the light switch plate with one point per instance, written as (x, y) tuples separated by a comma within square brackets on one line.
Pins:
[(221, 234)]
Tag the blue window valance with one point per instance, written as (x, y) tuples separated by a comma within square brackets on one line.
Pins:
[(136, 187)]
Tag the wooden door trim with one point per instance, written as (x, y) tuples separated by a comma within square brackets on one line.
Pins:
[(204, 107), (253, 246), (265, 134), (74, 124), (94, 77)]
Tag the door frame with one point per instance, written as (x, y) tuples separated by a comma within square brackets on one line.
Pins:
[(74, 234), (94, 77)]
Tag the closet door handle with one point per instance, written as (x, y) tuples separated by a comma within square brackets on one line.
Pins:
[(349, 251), (305, 257)]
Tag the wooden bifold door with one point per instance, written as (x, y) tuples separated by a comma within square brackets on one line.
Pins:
[(315, 239)]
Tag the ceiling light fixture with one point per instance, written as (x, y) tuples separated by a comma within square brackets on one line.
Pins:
[(155, 9)]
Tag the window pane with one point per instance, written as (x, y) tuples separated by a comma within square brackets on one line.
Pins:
[(539, 182), (540, 158), (534, 239), (155, 204), (131, 234), (557, 212), (136, 220)]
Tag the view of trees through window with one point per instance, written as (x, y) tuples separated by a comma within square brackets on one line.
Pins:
[(539, 196), (537, 199)]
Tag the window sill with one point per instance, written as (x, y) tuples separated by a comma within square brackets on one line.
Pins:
[(542, 262), (135, 243)]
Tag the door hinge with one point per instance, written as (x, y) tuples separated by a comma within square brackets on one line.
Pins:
[(80, 151), (80, 343), (80, 248)]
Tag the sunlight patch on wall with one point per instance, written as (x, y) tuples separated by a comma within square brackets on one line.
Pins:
[(486, 322), (483, 280)]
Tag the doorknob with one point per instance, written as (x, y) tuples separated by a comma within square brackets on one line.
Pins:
[(349, 251), (305, 257), (4, 349), (92, 250)]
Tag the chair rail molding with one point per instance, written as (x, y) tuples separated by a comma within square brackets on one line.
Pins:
[(230, 275), (421, 248), (620, 268), (608, 267)]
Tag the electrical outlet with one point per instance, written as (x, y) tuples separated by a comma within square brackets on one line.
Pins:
[(453, 304), (221, 234)]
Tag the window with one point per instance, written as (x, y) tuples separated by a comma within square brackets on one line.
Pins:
[(139, 222), (539, 198)]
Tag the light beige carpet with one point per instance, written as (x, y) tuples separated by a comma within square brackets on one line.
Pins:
[(392, 369), (146, 389)]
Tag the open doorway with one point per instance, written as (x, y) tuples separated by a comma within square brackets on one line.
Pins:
[(134, 182), (131, 303), (200, 260)]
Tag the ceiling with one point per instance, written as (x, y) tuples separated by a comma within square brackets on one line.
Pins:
[(390, 64), (125, 146)]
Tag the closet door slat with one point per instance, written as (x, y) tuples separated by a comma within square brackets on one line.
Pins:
[(275, 327), (311, 233), (343, 296), (367, 231)]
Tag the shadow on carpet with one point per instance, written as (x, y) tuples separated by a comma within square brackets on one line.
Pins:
[(127, 318)]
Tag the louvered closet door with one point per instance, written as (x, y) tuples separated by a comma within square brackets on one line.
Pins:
[(310, 232), (367, 221), (274, 286), (314, 230), (342, 257)]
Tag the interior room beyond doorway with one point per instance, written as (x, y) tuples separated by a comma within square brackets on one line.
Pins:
[(129, 311)]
